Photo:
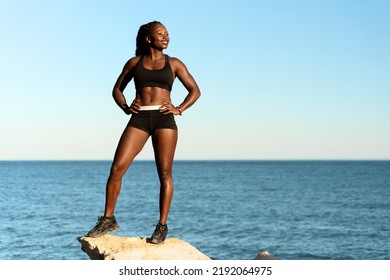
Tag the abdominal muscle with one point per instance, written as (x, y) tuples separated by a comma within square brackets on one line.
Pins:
[(152, 96)]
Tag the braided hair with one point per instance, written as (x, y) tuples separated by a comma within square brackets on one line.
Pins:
[(142, 47)]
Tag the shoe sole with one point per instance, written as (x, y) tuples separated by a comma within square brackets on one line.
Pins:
[(154, 242), (105, 232)]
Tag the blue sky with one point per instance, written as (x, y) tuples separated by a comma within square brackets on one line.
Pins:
[(279, 79)]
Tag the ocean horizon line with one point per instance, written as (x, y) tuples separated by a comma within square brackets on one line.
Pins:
[(198, 160)]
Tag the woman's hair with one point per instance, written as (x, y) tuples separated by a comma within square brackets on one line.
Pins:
[(142, 47)]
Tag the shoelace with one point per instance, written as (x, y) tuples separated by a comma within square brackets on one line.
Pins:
[(101, 219), (160, 229)]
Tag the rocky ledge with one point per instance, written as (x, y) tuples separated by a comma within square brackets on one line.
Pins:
[(112, 247)]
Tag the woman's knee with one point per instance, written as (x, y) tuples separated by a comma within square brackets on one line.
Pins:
[(117, 171), (165, 175)]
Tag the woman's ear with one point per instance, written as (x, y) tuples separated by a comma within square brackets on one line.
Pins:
[(148, 39)]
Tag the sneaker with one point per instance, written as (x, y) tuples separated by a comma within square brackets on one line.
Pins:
[(159, 234), (103, 226)]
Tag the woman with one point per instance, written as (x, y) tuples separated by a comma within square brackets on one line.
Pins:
[(152, 115)]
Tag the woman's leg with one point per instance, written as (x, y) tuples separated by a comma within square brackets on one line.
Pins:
[(131, 143), (129, 146), (164, 145)]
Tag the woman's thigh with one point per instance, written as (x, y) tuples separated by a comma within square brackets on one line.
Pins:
[(130, 144), (164, 145)]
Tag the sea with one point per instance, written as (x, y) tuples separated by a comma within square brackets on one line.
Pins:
[(228, 210)]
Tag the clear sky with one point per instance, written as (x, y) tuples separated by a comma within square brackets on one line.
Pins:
[(279, 79)]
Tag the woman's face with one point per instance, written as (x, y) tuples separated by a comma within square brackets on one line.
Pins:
[(159, 36)]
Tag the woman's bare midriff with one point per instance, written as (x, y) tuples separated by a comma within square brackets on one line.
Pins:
[(153, 96)]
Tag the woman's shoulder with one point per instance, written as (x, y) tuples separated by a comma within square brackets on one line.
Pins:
[(132, 62), (173, 59), (175, 62)]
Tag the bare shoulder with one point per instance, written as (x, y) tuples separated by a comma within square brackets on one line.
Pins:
[(131, 63), (177, 64)]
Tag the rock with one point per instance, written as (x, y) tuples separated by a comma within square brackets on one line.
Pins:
[(111, 247), (264, 256)]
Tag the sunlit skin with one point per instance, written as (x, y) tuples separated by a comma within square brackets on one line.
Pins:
[(164, 140)]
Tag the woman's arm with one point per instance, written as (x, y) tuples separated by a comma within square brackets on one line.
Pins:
[(188, 82), (120, 85)]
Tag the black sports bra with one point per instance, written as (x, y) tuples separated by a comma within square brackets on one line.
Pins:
[(161, 78)]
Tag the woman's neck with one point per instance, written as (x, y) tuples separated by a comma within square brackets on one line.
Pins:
[(155, 54)]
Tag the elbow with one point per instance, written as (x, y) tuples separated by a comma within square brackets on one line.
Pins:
[(115, 92), (197, 94)]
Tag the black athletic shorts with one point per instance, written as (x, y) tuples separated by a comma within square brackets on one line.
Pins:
[(149, 121)]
